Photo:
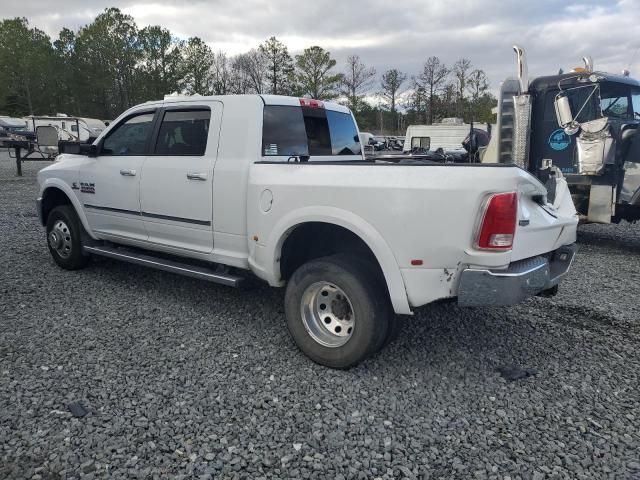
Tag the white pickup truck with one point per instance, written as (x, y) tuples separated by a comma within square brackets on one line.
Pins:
[(212, 186)]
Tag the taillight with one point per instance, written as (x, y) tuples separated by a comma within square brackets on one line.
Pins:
[(499, 222), (307, 102)]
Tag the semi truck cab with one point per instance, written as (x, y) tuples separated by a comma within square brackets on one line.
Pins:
[(582, 125)]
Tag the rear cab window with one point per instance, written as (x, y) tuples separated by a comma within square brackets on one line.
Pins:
[(314, 132)]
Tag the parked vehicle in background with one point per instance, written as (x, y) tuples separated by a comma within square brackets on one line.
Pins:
[(79, 129), (10, 126), (365, 138), (447, 136), (582, 125), (210, 187), (379, 143)]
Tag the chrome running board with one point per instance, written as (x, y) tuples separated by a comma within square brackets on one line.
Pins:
[(194, 271)]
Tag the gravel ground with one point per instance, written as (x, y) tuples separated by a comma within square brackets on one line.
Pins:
[(186, 379)]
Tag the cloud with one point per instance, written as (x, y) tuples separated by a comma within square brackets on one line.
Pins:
[(556, 34)]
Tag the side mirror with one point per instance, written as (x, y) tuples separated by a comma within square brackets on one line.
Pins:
[(47, 136), (564, 115), (89, 149)]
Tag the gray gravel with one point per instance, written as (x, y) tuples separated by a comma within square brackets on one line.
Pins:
[(190, 380)]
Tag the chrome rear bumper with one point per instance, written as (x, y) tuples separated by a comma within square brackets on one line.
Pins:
[(522, 279)]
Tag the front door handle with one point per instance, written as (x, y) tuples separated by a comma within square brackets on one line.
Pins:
[(128, 173), (196, 176)]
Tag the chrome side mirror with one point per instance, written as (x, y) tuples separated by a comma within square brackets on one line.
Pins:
[(564, 115), (47, 136)]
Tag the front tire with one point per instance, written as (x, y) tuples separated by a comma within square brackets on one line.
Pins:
[(64, 238), (336, 312)]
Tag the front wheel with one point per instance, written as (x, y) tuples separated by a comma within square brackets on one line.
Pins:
[(64, 238), (336, 311)]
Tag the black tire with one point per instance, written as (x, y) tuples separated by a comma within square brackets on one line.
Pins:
[(63, 223), (395, 325), (369, 304)]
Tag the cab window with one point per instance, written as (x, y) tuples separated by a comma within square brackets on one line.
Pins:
[(308, 131), (614, 101), (129, 137), (344, 136), (183, 133), (583, 103), (283, 131), (635, 102)]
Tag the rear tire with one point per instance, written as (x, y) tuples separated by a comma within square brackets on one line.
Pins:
[(336, 313), (64, 238)]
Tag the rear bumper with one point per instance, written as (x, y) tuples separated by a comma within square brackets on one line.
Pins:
[(522, 279)]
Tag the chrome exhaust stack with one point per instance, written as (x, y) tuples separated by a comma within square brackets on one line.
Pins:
[(521, 113)]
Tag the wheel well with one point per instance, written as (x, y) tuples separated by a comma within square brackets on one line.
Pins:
[(52, 198), (318, 239)]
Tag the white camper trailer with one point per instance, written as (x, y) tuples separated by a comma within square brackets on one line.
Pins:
[(447, 135), (78, 129)]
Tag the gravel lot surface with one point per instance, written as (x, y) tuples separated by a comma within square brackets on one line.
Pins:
[(187, 379)]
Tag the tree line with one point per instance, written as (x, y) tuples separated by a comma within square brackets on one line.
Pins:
[(110, 64)]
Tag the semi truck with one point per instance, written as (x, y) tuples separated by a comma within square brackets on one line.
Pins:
[(581, 125)]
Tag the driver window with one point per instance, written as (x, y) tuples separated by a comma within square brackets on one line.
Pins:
[(635, 102), (614, 102), (130, 137)]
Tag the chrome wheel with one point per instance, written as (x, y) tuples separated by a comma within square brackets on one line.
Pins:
[(327, 314), (60, 239)]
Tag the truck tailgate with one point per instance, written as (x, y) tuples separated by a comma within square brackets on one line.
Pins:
[(543, 228)]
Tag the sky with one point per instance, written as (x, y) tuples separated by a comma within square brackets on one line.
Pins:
[(384, 33)]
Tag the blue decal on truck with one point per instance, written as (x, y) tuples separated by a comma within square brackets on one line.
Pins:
[(559, 140)]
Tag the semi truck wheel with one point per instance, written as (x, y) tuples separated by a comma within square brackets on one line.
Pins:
[(64, 238), (335, 313)]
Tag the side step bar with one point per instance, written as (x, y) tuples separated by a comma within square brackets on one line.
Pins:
[(172, 266)]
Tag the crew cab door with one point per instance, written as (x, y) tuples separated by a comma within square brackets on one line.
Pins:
[(109, 183), (177, 177)]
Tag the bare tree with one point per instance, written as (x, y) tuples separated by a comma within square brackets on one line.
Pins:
[(391, 82), (432, 80), (221, 73), (478, 84), (461, 73), (250, 70), (356, 81)]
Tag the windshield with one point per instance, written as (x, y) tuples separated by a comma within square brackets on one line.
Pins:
[(611, 100), (616, 100)]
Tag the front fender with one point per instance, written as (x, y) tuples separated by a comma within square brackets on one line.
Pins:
[(265, 258), (60, 185)]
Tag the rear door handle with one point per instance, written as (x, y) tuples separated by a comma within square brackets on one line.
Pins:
[(128, 173), (196, 176)]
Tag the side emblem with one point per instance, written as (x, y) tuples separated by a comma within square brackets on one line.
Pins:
[(559, 140), (86, 187)]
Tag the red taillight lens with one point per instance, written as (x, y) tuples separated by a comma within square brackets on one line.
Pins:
[(307, 102), (499, 222)]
